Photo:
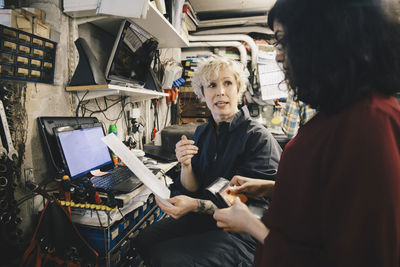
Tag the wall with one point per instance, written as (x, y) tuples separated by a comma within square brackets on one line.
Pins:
[(53, 100)]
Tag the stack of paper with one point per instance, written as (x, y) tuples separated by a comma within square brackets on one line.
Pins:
[(271, 76)]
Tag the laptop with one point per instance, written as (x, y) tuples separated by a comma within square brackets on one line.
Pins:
[(83, 151), (46, 127)]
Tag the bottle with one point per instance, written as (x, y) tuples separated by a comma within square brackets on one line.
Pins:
[(113, 129)]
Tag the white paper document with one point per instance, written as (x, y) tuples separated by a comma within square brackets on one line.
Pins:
[(137, 167)]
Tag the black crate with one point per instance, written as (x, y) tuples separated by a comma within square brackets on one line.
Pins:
[(25, 56)]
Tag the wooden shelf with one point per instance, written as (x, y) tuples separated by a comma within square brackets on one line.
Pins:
[(158, 26), (100, 90)]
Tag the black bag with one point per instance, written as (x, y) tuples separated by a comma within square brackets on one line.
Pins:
[(57, 242)]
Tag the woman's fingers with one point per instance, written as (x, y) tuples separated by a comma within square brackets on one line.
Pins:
[(239, 180), (187, 151), (221, 224), (164, 208), (186, 147), (184, 143)]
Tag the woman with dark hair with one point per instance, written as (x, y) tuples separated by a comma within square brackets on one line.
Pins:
[(336, 200)]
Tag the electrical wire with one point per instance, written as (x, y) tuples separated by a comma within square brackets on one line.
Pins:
[(166, 116), (79, 103), (25, 198)]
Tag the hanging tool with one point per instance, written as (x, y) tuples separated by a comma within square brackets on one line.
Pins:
[(3, 150), (12, 152)]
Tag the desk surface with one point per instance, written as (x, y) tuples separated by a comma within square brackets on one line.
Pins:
[(164, 167), (131, 201)]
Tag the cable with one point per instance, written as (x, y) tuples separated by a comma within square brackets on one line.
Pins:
[(166, 116), (79, 103), (25, 198)]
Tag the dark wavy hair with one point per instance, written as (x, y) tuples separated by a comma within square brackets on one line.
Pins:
[(339, 51)]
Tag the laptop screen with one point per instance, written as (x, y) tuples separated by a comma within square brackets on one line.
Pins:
[(83, 149)]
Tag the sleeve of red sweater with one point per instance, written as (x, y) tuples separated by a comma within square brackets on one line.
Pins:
[(361, 205)]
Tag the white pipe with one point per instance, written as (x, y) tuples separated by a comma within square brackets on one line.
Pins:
[(232, 30), (238, 45), (231, 37)]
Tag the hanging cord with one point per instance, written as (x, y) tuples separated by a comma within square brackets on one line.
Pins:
[(166, 116), (79, 104)]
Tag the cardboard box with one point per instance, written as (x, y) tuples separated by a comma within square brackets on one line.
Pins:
[(31, 20), (35, 12), (41, 29), (14, 19)]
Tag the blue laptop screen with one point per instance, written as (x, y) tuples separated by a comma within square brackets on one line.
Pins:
[(83, 150)]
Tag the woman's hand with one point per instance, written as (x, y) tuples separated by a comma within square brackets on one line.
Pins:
[(234, 218), (238, 218), (181, 205), (252, 187), (185, 150)]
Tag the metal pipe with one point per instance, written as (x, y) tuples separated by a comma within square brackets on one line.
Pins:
[(238, 45), (231, 37)]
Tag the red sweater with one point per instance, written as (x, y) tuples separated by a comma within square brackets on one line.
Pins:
[(337, 196)]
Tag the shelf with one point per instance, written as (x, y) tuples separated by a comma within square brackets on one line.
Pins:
[(159, 27), (154, 24), (100, 90)]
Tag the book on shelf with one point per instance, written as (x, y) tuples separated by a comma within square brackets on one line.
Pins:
[(188, 10), (190, 25)]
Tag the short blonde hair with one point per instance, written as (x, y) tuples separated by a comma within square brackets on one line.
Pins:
[(210, 69)]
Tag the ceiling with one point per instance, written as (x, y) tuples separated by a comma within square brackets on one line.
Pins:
[(233, 13)]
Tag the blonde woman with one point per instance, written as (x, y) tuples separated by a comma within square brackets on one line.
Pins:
[(229, 144)]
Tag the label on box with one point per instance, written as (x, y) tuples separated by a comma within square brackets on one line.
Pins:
[(126, 224), (47, 65), (22, 71), (22, 60), (10, 45), (135, 214), (25, 49), (38, 52), (35, 63), (49, 45), (35, 73), (114, 233), (37, 41), (24, 37), (10, 33)]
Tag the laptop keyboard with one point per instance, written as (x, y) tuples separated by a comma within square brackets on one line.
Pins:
[(108, 181)]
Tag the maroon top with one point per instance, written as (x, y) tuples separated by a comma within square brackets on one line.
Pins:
[(337, 195)]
